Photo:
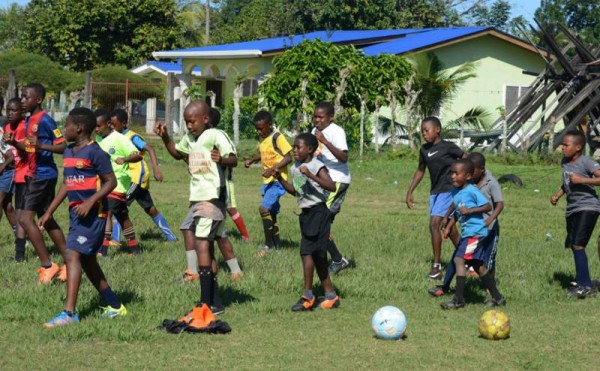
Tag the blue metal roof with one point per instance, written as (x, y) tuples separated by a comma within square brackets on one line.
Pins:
[(170, 66), (419, 40)]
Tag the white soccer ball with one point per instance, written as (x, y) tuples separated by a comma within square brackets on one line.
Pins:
[(389, 323)]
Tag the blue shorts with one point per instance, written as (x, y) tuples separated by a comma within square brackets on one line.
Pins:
[(85, 234), (439, 204), (470, 248), (7, 180), (490, 247), (271, 193)]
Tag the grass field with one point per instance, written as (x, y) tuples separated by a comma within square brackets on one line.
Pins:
[(390, 248)]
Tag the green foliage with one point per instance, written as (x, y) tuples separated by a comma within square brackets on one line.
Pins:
[(580, 15), (496, 15), (248, 108), (84, 34), (195, 92), (30, 67), (350, 121), (10, 31), (475, 118)]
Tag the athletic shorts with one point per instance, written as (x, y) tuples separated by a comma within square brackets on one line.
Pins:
[(142, 196), (439, 204), (117, 204), (7, 180), (271, 193), (470, 248), (580, 226), (20, 189), (335, 199), (189, 223), (490, 247), (231, 203), (85, 234), (315, 226), (39, 193)]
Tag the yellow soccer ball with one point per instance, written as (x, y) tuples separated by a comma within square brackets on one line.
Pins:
[(494, 325)]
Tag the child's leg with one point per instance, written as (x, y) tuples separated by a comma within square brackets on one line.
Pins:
[(202, 247), (461, 273), (239, 222), (35, 236), (73, 261), (276, 239), (144, 199), (228, 254), (267, 221), (57, 236), (2, 196), (116, 229), (582, 271), (98, 279), (323, 273), (9, 210), (436, 238), (190, 250), (450, 272), (129, 233), (488, 280), (20, 240), (308, 266)]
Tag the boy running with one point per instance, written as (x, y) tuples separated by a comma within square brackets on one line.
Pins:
[(274, 153), (88, 179)]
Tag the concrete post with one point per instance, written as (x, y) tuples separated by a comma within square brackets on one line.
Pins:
[(169, 102), (11, 91), (87, 92), (150, 115)]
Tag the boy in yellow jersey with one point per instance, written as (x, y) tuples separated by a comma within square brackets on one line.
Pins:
[(274, 153), (140, 176)]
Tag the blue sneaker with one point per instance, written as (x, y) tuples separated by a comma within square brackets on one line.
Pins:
[(110, 312), (62, 319)]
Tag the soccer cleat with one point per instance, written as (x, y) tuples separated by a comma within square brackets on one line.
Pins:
[(216, 310), (114, 243), (581, 292), (336, 267), (135, 251), (110, 312), (62, 274), (472, 272), (304, 304), (438, 291), (46, 275), (436, 272), (453, 304), (62, 319), (265, 250), (495, 303), (103, 251), (190, 276), (329, 303), (236, 276)]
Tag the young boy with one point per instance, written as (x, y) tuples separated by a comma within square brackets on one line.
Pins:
[(490, 188), (470, 206), (14, 131), (140, 177), (274, 153), (85, 164), (42, 139), (333, 153), (122, 152), (437, 155), (311, 184), (208, 192), (580, 175)]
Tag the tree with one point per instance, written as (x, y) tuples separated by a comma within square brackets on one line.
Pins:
[(30, 67), (496, 15), (83, 34), (580, 15), (10, 32)]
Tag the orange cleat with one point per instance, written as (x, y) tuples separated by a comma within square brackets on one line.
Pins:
[(330, 303), (190, 276), (62, 274), (114, 243), (237, 276), (46, 275)]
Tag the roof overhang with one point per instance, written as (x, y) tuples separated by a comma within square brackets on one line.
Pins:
[(217, 54), (147, 68)]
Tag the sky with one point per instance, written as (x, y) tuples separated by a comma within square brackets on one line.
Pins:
[(526, 8)]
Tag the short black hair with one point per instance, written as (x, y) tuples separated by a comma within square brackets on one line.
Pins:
[(83, 117), (327, 107), (120, 114), (263, 115), (578, 136), (310, 140), (467, 164), (477, 159), (39, 89), (434, 120), (104, 114), (14, 100), (214, 116)]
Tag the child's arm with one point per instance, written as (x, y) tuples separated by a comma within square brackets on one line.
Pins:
[(554, 199), (498, 207), (154, 161), (415, 182), (58, 199), (282, 164), (287, 186), (322, 177), (342, 156), (447, 216), (54, 148), (161, 130), (252, 160), (8, 160), (446, 230), (133, 157), (578, 179), (228, 161), (475, 210)]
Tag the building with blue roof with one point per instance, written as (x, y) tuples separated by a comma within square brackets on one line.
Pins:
[(501, 60)]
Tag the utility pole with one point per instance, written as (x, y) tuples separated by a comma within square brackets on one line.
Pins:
[(207, 32)]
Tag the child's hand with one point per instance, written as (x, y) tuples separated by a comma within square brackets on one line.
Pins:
[(443, 224), (409, 201), (83, 208), (576, 178), (215, 156), (160, 129), (42, 220), (303, 170), (320, 137), (33, 141), (277, 174), (8, 138), (158, 176), (119, 160), (445, 233), (269, 172), (464, 210), (554, 200), (248, 163)]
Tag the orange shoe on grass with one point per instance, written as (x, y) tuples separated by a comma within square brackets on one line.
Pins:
[(62, 274), (329, 303), (190, 276), (46, 275)]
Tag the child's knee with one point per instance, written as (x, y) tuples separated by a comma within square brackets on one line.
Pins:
[(263, 210)]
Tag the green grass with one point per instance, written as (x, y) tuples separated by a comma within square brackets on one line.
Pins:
[(390, 247)]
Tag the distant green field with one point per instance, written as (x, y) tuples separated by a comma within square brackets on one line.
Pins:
[(390, 248)]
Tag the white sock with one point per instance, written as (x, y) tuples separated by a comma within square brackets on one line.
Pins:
[(192, 260), (233, 265)]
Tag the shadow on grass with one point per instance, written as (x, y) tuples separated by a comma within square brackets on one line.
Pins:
[(126, 297), (563, 278), (232, 295), (474, 293), (150, 234)]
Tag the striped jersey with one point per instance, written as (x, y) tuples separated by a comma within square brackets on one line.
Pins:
[(41, 163)]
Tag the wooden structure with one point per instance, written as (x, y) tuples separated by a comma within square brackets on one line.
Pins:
[(568, 90)]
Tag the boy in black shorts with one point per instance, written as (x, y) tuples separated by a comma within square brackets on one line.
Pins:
[(85, 163), (580, 175), (437, 155)]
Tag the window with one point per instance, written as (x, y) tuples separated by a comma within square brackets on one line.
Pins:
[(249, 87), (512, 94)]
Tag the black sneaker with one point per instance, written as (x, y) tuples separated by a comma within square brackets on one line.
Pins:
[(453, 304), (336, 267), (436, 272), (216, 310), (581, 292), (438, 291), (495, 303), (304, 304)]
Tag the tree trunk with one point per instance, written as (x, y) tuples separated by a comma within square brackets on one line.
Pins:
[(363, 108), (237, 95), (341, 88), (207, 29), (304, 103), (377, 127)]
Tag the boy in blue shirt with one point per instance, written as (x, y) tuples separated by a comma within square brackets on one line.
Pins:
[(470, 206)]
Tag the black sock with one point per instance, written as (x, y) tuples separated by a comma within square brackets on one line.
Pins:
[(20, 249), (205, 284), (335, 254), (276, 240), (460, 288), (268, 228), (490, 283), (215, 300)]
